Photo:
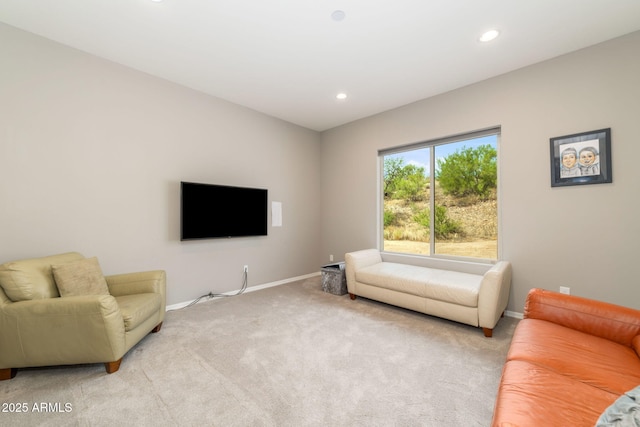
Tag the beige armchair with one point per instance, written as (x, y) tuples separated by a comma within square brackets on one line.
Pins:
[(60, 310)]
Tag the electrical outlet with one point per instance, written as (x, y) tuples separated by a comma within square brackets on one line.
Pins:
[(565, 290), (330, 258), (246, 268)]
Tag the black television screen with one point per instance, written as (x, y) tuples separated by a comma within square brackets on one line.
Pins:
[(210, 211)]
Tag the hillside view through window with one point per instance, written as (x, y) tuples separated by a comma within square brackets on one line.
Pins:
[(451, 211)]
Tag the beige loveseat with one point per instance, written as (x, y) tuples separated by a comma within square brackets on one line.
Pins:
[(92, 322), (470, 293)]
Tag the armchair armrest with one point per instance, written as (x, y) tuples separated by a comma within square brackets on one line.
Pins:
[(143, 282), (494, 294), (605, 320), (76, 329), (137, 283)]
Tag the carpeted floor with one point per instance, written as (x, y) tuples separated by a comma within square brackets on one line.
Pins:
[(289, 355)]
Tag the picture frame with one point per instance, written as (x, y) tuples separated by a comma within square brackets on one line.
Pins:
[(581, 158)]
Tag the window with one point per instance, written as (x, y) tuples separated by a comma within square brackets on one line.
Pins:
[(459, 218)]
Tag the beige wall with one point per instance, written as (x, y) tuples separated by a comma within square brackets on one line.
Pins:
[(92, 153), (584, 237)]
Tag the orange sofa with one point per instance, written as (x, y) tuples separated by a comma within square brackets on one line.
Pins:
[(570, 359)]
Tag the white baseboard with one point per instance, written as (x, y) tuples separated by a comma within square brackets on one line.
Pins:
[(249, 289), (514, 314), (180, 305)]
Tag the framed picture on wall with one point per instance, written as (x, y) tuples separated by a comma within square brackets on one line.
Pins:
[(581, 158)]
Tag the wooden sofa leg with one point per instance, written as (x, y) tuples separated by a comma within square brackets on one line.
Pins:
[(7, 373), (352, 296), (488, 332), (157, 328), (112, 367)]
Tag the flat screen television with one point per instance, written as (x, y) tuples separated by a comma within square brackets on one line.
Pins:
[(209, 211)]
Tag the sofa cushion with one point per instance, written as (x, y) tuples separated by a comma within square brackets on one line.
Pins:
[(137, 308), (81, 277), (31, 279), (531, 396), (606, 320), (586, 358), (442, 285)]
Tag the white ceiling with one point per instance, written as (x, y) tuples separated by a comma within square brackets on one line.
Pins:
[(289, 58)]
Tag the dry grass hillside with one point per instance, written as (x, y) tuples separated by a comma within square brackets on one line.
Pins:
[(477, 220)]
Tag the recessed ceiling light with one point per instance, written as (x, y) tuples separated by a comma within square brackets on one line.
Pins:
[(489, 35), (341, 96), (338, 15)]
